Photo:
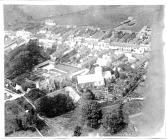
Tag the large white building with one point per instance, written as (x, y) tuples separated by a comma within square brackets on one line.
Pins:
[(96, 78), (50, 22)]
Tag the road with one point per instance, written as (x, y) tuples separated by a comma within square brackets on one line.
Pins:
[(13, 94)]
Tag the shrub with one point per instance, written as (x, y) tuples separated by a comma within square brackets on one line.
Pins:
[(90, 113), (17, 119), (11, 112), (34, 94), (115, 121), (88, 95), (77, 131), (122, 76), (27, 85)]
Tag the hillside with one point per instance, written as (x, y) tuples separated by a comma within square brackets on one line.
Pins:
[(109, 16), (101, 16), (15, 18)]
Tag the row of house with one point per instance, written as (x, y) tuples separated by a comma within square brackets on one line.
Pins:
[(14, 44)]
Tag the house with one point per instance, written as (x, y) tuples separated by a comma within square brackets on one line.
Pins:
[(91, 78), (104, 61), (20, 42), (72, 93), (42, 64), (50, 22), (14, 44), (10, 46), (47, 43), (107, 75), (80, 72), (131, 59), (24, 35), (96, 78)]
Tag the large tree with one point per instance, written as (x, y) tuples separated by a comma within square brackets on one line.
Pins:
[(89, 111), (115, 121), (54, 106), (23, 59)]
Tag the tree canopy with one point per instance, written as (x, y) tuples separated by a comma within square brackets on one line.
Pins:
[(54, 106), (115, 121), (23, 59)]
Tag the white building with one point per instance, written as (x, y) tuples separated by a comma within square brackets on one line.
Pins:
[(72, 93), (91, 78), (131, 59), (96, 78), (50, 22), (24, 35), (47, 43), (107, 75), (104, 61)]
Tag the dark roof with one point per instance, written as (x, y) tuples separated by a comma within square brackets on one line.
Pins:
[(43, 64)]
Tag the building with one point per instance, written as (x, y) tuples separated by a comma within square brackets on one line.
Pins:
[(129, 47), (72, 93), (10, 46), (97, 78), (80, 72), (107, 75), (43, 64), (50, 22), (104, 61), (24, 35), (14, 44), (91, 78), (47, 43)]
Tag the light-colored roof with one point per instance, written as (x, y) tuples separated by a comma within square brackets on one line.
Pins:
[(89, 78), (120, 44), (11, 43), (72, 93)]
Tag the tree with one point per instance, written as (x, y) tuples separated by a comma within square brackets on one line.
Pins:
[(27, 85), (23, 59), (35, 94), (115, 121), (122, 76), (116, 73), (54, 106), (77, 131), (88, 95), (90, 113), (12, 109), (18, 118)]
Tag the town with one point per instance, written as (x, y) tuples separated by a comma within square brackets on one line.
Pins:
[(73, 65)]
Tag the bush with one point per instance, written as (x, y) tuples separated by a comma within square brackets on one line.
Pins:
[(90, 113), (115, 121), (11, 112), (54, 106), (116, 73), (27, 85), (17, 119), (88, 95), (34, 94), (27, 120), (77, 131), (122, 76)]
